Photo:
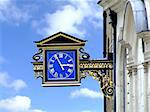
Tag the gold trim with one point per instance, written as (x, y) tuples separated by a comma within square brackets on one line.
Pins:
[(38, 67), (95, 64), (44, 65), (62, 44), (78, 66), (61, 47), (60, 84), (55, 36)]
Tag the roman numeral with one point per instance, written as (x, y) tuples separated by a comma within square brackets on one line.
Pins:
[(66, 75), (65, 56), (60, 75), (52, 70), (69, 70), (50, 65), (56, 75), (61, 55), (69, 60), (52, 60)]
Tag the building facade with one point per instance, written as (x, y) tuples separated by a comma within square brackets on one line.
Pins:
[(127, 36)]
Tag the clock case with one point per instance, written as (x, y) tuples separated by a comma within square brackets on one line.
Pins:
[(60, 42)]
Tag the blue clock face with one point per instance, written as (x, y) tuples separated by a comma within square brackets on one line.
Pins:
[(61, 65)]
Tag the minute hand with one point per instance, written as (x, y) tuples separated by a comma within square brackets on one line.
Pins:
[(59, 63)]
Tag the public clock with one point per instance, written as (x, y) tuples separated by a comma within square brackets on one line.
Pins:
[(61, 65)]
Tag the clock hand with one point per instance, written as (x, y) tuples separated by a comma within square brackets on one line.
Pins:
[(59, 62), (70, 65)]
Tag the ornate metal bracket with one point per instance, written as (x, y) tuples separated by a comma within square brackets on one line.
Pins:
[(100, 70), (105, 80)]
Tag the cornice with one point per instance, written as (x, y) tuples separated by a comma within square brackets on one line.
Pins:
[(115, 5), (145, 35)]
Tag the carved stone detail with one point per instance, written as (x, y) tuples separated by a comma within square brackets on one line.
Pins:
[(145, 67)]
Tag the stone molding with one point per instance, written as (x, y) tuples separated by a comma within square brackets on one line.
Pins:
[(115, 5), (145, 67), (145, 35), (132, 70)]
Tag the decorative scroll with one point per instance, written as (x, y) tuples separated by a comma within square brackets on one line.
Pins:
[(92, 73), (100, 70), (104, 78), (83, 54), (37, 56), (106, 83)]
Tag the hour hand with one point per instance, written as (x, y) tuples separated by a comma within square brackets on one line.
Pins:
[(70, 65)]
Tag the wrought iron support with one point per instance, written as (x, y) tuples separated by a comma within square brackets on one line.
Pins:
[(100, 70)]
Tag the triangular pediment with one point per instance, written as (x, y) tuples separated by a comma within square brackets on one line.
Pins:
[(60, 38)]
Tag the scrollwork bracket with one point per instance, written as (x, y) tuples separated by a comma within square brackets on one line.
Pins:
[(38, 56), (105, 79)]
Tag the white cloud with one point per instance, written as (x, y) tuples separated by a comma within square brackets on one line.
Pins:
[(69, 18), (9, 12), (18, 104), (37, 110), (5, 81), (4, 3), (18, 84), (85, 92), (86, 111)]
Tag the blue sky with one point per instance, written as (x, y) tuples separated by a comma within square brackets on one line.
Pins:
[(25, 21)]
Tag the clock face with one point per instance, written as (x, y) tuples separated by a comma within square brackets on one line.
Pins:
[(61, 65)]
